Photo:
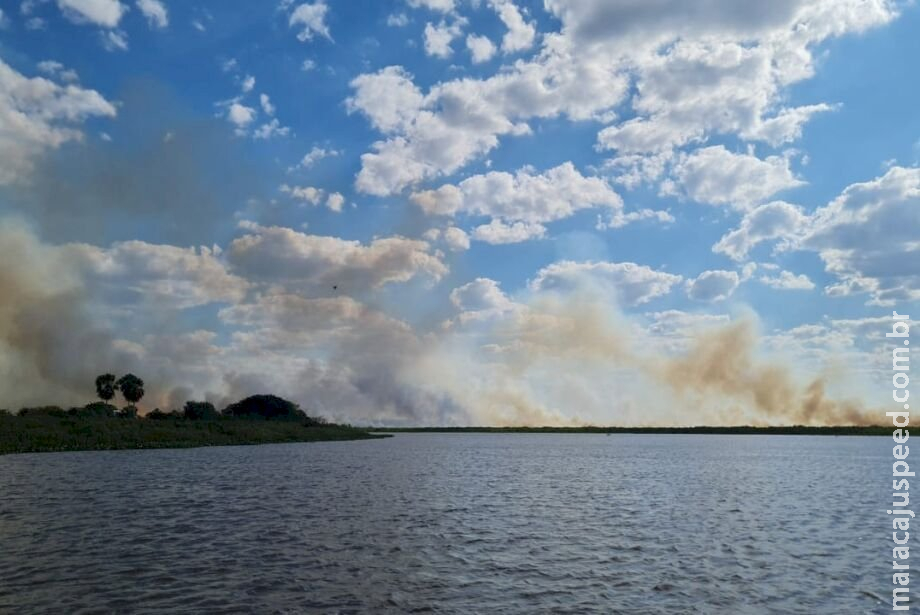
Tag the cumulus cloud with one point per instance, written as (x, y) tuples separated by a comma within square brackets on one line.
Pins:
[(335, 201), (481, 48), (442, 6), (106, 13), (316, 154), (521, 203), (716, 176), (714, 69), (308, 194), (280, 254), (438, 38), (867, 238), (786, 280), (155, 12), (481, 299), (763, 223), (520, 34), (630, 283), (240, 116), (156, 274), (311, 19), (39, 115), (715, 285), (397, 20), (498, 232)]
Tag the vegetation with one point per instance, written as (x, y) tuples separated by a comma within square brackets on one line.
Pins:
[(259, 419), (105, 387), (200, 411), (47, 432)]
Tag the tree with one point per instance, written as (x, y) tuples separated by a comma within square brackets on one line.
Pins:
[(200, 411), (105, 386), (131, 387), (265, 407)]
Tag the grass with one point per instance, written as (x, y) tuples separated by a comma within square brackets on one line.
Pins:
[(798, 430), (42, 433)]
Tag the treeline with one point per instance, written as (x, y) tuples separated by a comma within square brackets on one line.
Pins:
[(258, 419), (254, 407)]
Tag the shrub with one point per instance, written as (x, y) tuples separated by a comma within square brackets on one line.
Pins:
[(128, 412), (200, 411), (97, 408), (43, 411), (156, 415), (270, 407)]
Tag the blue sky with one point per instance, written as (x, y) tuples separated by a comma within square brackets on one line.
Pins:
[(405, 212)]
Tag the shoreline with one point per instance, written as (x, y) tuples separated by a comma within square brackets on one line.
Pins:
[(791, 430), (48, 434)]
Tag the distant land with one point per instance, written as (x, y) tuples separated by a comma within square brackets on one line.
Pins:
[(257, 419), (44, 433), (792, 430)]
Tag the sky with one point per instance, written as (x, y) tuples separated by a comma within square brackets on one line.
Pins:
[(456, 212)]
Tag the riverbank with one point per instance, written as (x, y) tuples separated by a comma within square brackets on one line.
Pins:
[(34, 434), (793, 430)]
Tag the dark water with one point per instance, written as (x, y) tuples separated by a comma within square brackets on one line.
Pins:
[(476, 523)]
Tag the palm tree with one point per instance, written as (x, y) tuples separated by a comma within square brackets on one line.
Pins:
[(131, 387), (105, 386)]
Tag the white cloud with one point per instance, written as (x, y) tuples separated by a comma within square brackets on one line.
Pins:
[(716, 176), (335, 201), (312, 20), (314, 262), (316, 154), (521, 203), (707, 70), (271, 129), (443, 6), (786, 280), (248, 83), (56, 69), (397, 20), (481, 48), (155, 12), (158, 275), (868, 238), (456, 239), (114, 40), (631, 284), (713, 285), (37, 115), (388, 98), (308, 65), (439, 38), (304, 193), (481, 300), (240, 115), (105, 13), (765, 222), (520, 35), (266, 104), (497, 232)]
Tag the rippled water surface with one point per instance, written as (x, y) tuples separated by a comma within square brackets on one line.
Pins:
[(454, 523)]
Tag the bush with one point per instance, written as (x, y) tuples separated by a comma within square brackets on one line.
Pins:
[(268, 407), (128, 412), (97, 408), (43, 411), (200, 411)]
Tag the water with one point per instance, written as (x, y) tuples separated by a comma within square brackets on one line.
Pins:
[(454, 523)]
